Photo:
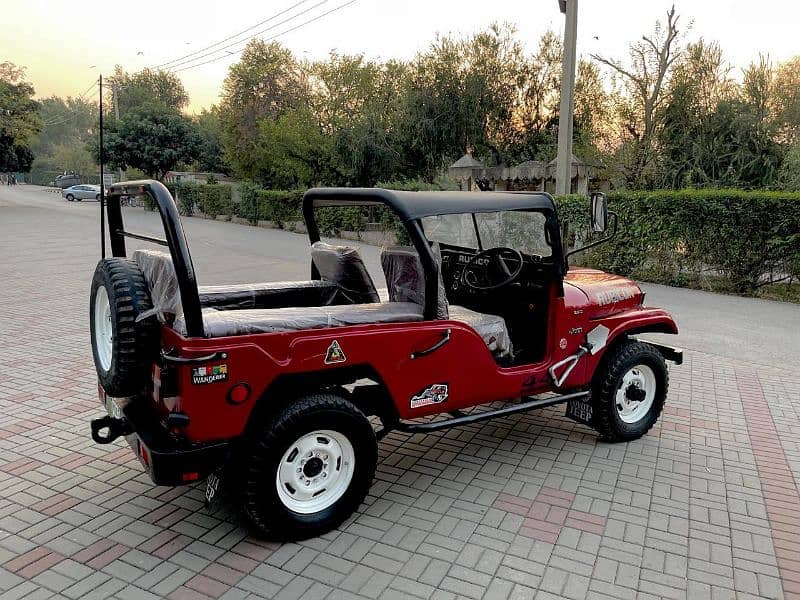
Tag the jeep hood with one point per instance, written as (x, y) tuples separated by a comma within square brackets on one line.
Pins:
[(602, 293)]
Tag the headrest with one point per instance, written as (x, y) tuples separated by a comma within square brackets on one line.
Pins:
[(405, 278), (343, 266)]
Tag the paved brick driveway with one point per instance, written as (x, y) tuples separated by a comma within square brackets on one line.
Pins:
[(705, 506)]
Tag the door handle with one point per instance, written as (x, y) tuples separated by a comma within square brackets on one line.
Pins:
[(434, 348)]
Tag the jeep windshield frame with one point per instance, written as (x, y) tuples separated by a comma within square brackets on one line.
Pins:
[(412, 207)]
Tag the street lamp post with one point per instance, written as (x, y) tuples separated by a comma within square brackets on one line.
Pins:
[(566, 109)]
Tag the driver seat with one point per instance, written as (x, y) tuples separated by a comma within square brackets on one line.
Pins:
[(405, 281)]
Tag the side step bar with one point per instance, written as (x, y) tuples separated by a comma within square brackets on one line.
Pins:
[(485, 416)]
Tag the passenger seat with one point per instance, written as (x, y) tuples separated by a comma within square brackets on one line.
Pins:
[(405, 279)]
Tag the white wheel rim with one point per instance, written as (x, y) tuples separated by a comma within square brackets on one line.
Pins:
[(315, 471), (636, 393), (103, 329)]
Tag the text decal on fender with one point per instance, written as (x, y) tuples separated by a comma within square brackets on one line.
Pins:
[(201, 375), (433, 394)]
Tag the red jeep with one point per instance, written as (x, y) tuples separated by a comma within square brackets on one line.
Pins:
[(277, 381)]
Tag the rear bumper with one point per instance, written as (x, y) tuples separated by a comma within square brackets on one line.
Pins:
[(166, 460)]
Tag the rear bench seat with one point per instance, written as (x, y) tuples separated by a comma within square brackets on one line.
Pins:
[(221, 323), (227, 308), (159, 274)]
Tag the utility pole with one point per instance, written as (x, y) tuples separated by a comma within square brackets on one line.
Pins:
[(115, 96), (102, 182), (563, 160)]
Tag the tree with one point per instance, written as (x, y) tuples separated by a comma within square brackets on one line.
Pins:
[(787, 97), (357, 104), (73, 157), (265, 83), (19, 119), (66, 123), (148, 86), (462, 93), (151, 138), (645, 79), (210, 157), (691, 132), (540, 91)]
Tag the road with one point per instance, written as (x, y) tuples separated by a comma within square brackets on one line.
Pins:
[(762, 332)]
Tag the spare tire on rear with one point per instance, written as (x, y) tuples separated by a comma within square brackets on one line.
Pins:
[(123, 344)]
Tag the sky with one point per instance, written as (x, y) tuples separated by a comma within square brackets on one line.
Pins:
[(66, 45)]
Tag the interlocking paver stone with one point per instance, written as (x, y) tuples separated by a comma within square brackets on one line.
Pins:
[(529, 506)]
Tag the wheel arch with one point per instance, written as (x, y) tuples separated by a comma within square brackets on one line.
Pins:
[(372, 398), (625, 332)]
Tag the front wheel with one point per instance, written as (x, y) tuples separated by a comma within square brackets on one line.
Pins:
[(308, 467), (70, 197), (628, 391)]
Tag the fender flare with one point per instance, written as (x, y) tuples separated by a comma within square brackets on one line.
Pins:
[(629, 323)]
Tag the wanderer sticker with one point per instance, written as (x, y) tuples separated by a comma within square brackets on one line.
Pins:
[(433, 394), (212, 374), (335, 354)]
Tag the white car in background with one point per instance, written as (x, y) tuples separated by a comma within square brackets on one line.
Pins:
[(82, 192)]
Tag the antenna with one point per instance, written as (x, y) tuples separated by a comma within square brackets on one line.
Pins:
[(102, 181)]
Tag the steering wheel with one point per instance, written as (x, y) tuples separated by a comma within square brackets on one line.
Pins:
[(492, 269)]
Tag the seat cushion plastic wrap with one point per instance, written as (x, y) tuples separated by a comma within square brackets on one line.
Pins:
[(274, 294), (491, 328), (343, 266), (405, 278), (221, 323), (159, 274)]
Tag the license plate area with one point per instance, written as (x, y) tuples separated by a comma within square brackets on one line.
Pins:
[(580, 410)]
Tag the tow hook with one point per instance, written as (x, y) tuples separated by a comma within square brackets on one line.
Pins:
[(115, 427)]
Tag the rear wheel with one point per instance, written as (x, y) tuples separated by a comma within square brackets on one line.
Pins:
[(123, 346), (308, 467), (629, 391), (70, 197), (97, 197)]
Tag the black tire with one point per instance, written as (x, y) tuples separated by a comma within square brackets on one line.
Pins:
[(271, 438), (70, 197), (97, 197), (620, 360), (134, 343)]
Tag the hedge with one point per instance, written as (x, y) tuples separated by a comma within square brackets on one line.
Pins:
[(749, 238), (279, 206), (210, 199)]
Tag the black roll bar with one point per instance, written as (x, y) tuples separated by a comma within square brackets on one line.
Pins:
[(370, 197), (175, 240)]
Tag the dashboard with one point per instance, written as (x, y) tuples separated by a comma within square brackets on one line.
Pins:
[(535, 272)]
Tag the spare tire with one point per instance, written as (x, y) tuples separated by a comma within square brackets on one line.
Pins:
[(123, 345)]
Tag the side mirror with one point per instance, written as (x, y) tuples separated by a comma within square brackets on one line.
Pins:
[(599, 211)]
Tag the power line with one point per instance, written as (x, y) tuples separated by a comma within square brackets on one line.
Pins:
[(94, 83), (60, 120), (296, 27), (245, 40), (230, 37)]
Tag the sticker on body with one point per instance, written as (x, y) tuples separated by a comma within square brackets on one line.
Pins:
[(433, 394), (204, 375)]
